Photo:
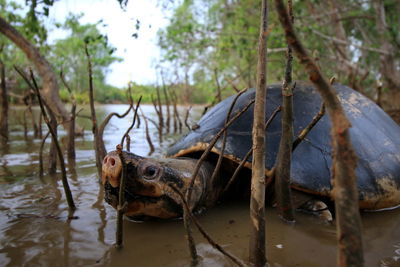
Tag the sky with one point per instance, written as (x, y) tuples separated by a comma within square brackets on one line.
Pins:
[(139, 54)]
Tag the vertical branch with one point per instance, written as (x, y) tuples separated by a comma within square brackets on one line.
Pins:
[(52, 168), (64, 179), (121, 200), (168, 121), (176, 113), (187, 117), (4, 104), (350, 252), (158, 112), (40, 132), (133, 122), (284, 158), (93, 113), (71, 130), (250, 152), (41, 154), (257, 253), (161, 117), (218, 95), (148, 138), (221, 155)]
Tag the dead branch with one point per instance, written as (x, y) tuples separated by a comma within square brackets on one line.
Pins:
[(344, 160), (214, 244), (257, 253), (121, 200), (41, 154), (221, 154), (64, 179), (148, 138), (71, 131), (308, 128), (187, 117), (246, 157), (133, 121), (103, 125), (283, 193), (93, 112)]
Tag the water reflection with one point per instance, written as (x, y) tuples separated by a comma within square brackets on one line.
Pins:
[(36, 228)]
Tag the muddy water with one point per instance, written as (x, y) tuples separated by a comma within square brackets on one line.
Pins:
[(35, 229)]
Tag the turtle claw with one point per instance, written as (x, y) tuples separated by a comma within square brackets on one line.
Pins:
[(317, 208)]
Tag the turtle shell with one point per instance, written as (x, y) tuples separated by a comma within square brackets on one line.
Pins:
[(374, 135)]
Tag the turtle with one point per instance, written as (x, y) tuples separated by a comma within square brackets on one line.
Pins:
[(374, 135)]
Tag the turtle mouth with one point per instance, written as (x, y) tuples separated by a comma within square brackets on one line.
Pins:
[(143, 207)]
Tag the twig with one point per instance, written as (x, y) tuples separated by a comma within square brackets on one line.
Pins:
[(67, 190), (133, 122), (128, 143), (257, 253), (187, 117), (211, 145), (308, 128), (221, 154), (159, 126), (246, 157), (215, 245), (151, 146), (103, 125), (121, 200), (41, 154), (93, 112), (283, 194), (71, 130)]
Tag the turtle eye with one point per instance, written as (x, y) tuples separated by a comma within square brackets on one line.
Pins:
[(150, 172)]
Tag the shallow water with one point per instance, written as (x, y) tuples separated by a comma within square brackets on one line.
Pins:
[(35, 229)]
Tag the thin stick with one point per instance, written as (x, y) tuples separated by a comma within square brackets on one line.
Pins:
[(211, 145), (308, 128), (41, 154), (257, 255), (71, 131), (93, 112), (187, 117), (103, 125), (215, 245), (283, 194), (121, 201), (221, 154), (133, 122), (246, 157), (67, 190), (148, 138), (349, 236), (159, 126), (176, 113), (166, 103), (128, 143)]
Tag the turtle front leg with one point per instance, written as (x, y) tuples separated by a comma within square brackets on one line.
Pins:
[(309, 204)]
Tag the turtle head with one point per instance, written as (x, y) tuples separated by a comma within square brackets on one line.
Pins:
[(151, 184)]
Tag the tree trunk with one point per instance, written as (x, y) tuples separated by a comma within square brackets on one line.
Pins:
[(257, 200), (50, 86)]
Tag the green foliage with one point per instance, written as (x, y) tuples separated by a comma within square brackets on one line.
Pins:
[(204, 36), (68, 54)]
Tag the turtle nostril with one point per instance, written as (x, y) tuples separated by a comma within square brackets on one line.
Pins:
[(105, 160), (112, 161)]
